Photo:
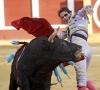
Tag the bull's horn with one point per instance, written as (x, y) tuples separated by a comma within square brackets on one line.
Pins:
[(50, 39)]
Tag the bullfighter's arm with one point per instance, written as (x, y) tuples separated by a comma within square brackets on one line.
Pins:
[(85, 11), (62, 35)]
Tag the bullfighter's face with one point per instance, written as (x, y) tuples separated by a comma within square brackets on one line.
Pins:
[(65, 16)]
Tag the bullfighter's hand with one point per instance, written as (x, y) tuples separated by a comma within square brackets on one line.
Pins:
[(88, 9)]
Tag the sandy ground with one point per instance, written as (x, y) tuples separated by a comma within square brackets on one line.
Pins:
[(93, 72)]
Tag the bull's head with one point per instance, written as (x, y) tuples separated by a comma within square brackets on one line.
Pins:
[(78, 54)]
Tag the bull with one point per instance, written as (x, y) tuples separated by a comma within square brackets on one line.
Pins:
[(33, 65)]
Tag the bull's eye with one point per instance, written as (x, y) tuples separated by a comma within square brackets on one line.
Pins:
[(70, 53), (37, 81), (63, 51), (61, 43)]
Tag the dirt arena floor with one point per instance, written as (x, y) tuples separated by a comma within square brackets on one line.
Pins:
[(93, 72)]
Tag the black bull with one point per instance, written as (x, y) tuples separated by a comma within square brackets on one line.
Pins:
[(33, 65)]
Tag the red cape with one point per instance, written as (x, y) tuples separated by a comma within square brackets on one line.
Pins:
[(35, 26)]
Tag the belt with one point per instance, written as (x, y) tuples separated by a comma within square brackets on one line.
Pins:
[(79, 35)]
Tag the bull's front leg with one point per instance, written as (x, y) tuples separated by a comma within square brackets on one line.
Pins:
[(47, 82), (23, 81), (42, 82), (13, 85)]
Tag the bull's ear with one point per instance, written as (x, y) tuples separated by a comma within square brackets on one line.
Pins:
[(47, 46)]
